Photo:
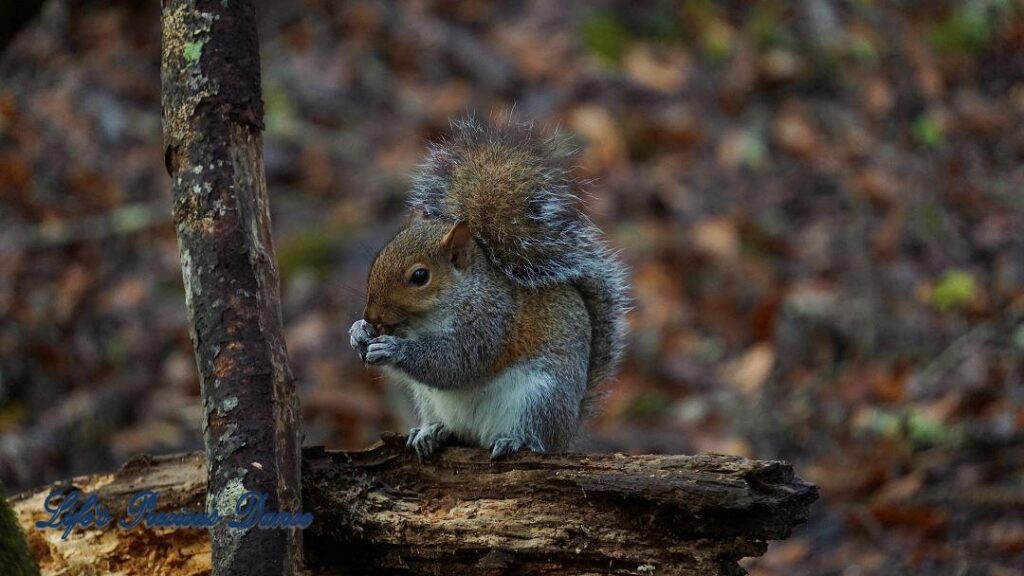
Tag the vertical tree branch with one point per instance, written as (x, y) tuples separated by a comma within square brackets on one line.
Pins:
[(213, 116)]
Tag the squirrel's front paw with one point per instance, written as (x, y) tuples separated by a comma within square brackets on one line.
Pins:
[(382, 350), (359, 336), (426, 439), (511, 444)]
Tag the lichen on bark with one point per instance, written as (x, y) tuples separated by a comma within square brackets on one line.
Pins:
[(185, 26)]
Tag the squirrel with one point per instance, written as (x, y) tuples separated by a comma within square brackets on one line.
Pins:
[(500, 304)]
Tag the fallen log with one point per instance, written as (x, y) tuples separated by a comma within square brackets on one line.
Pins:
[(379, 510)]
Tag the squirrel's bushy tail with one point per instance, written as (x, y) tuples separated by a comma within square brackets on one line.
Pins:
[(514, 189)]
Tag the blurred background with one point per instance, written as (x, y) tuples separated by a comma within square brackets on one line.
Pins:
[(822, 203)]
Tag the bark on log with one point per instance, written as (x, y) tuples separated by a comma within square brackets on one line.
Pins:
[(380, 511), (213, 116)]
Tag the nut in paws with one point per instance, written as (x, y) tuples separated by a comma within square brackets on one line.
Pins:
[(359, 336)]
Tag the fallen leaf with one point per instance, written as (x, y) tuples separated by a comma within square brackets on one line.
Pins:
[(749, 372)]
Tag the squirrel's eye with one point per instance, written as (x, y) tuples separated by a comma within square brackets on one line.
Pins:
[(419, 277)]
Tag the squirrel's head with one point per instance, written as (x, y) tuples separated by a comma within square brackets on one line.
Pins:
[(410, 275)]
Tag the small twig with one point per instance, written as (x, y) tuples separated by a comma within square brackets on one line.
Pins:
[(924, 383)]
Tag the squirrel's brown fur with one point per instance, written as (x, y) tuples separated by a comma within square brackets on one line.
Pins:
[(499, 305)]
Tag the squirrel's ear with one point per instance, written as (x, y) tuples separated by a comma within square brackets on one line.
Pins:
[(456, 243)]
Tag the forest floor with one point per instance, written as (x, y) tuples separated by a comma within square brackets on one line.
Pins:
[(821, 203)]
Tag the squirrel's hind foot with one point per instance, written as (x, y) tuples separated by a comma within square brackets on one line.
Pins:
[(507, 445), (426, 439)]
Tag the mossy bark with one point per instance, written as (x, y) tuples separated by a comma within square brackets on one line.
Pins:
[(213, 117), (15, 559)]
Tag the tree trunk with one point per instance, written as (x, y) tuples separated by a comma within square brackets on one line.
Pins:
[(380, 511), (213, 116)]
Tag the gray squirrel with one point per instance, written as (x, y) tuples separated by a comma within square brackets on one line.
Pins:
[(500, 305)]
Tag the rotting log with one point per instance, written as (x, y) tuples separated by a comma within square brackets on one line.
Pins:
[(212, 118), (380, 511)]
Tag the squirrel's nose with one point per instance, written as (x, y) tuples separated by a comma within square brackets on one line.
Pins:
[(381, 318), (372, 321), (373, 318)]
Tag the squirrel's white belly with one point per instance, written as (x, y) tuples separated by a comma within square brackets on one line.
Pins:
[(487, 412)]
